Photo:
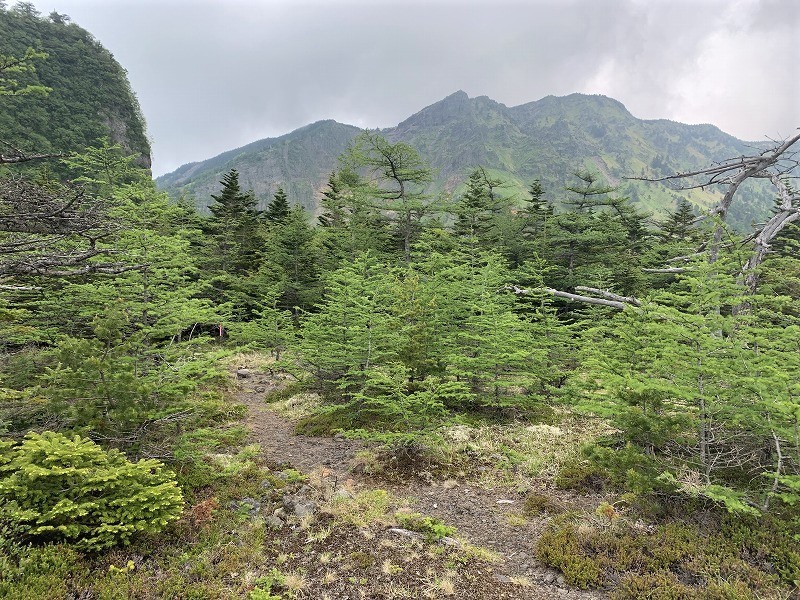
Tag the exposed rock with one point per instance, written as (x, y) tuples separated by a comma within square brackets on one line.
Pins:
[(405, 532), (459, 433), (243, 373), (342, 494), (545, 430), (273, 522), (299, 505), (448, 541)]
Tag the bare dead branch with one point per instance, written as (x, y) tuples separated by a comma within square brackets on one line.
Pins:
[(609, 295), (19, 288), (668, 270), (15, 155), (619, 303), (787, 213), (774, 164), (54, 231)]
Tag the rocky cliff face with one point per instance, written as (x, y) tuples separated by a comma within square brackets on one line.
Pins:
[(300, 162)]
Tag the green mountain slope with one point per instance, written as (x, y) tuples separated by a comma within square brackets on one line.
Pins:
[(90, 99), (299, 161), (551, 138), (548, 139)]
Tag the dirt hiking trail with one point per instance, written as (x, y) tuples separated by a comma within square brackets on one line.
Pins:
[(484, 517)]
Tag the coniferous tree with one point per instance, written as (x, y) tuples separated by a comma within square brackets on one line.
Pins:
[(399, 178), (474, 211), (234, 227), (599, 242), (233, 247), (353, 328), (292, 250), (350, 224), (278, 209), (702, 390), (590, 191), (679, 225), (538, 213), (493, 348)]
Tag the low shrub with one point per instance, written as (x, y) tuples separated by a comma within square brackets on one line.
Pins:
[(660, 585), (55, 488), (560, 547), (581, 475), (41, 572), (726, 559), (538, 504)]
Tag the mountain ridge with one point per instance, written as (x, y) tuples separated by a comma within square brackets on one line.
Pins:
[(546, 139)]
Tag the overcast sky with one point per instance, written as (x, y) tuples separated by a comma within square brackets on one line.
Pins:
[(215, 75)]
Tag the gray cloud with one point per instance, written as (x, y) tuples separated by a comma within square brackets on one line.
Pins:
[(212, 76)]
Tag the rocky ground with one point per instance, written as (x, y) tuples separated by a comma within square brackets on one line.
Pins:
[(486, 517)]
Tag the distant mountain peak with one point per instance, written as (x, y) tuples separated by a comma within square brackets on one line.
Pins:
[(547, 140), (460, 94), (456, 105)]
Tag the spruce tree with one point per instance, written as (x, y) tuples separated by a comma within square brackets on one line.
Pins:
[(679, 225), (350, 223), (234, 228), (474, 211), (278, 209), (292, 251), (354, 327)]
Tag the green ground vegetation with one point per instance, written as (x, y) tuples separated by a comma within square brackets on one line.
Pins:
[(425, 325)]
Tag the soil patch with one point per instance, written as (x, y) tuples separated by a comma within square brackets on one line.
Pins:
[(486, 517)]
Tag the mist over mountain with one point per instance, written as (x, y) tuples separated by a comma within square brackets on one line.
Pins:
[(548, 139)]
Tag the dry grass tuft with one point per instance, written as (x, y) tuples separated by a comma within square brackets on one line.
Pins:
[(517, 452)]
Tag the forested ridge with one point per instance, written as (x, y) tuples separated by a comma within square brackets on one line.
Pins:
[(88, 94), (620, 387), (547, 139)]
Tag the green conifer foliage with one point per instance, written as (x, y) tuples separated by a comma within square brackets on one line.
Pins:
[(56, 488), (493, 348), (233, 247), (354, 328), (234, 227), (399, 176), (278, 209), (680, 224), (474, 211), (703, 389), (293, 256), (350, 223)]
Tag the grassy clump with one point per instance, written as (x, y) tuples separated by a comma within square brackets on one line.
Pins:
[(537, 504), (432, 528), (361, 509)]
